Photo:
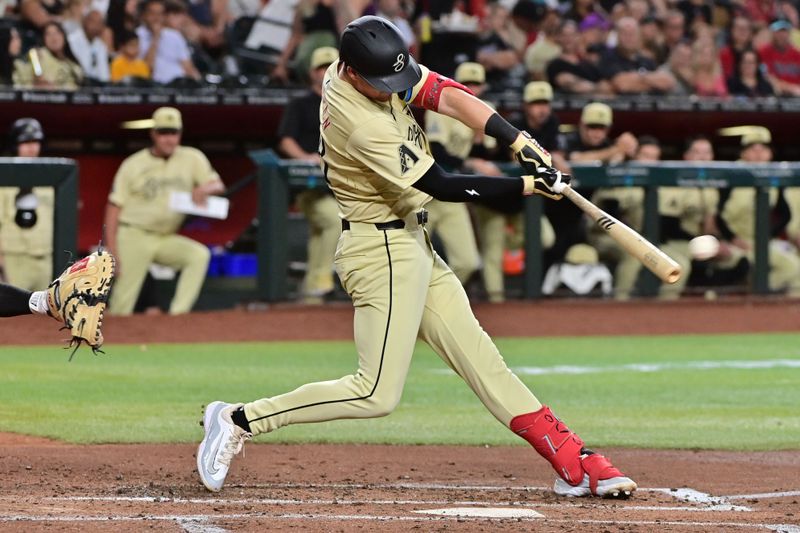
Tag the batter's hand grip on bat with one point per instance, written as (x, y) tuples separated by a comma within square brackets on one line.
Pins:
[(653, 258)]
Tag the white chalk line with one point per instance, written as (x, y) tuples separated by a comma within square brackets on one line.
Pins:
[(337, 501), (764, 495), (185, 519), (761, 364), (190, 526)]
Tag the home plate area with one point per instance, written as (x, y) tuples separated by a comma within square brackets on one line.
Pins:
[(52, 486)]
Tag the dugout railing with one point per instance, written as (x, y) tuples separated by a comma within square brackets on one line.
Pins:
[(277, 177), (62, 175)]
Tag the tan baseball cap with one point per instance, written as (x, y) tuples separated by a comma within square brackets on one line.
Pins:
[(597, 114), (323, 56), (537, 91), (167, 118), (581, 254), (470, 73), (757, 135)]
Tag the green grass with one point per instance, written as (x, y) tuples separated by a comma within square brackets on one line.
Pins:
[(153, 393)]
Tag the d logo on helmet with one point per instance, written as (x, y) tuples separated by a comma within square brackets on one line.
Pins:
[(400, 63)]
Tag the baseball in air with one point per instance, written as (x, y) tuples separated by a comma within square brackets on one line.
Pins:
[(704, 247)]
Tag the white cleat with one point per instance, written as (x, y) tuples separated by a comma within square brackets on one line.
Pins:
[(616, 487), (223, 439)]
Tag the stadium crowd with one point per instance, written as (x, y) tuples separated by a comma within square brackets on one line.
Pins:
[(717, 48)]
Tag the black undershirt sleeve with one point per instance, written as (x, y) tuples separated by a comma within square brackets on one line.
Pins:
[(442, 156), (780, 216), (503, 193), (724, 230), (671, 230), (13, 301)]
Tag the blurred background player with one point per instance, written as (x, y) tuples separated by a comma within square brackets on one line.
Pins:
[(737, 211), (141, 229), (298, 136), (502, 232), (26, 217), (451, 144), (626, 204), (591, 142)]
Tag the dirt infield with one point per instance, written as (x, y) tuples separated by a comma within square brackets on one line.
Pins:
[(52, 486)]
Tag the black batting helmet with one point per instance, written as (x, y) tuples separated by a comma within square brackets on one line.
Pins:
[(26, 130), (375, 49)]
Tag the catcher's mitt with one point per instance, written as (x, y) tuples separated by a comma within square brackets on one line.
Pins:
[(78, 297)]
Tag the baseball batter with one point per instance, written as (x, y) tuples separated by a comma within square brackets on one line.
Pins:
[(141, 228), (378, 164), (26, 218)]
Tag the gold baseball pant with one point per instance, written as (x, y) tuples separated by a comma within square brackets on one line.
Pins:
[(32, 273), (451, 222), (138, 249), (401, 291), (324, 225)]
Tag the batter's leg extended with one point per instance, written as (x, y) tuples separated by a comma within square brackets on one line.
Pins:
[(452, 330)]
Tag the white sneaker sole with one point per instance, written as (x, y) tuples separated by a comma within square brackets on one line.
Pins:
[(616, 487), (207, 419)]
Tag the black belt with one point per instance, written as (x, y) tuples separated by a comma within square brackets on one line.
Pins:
[(422, 218)]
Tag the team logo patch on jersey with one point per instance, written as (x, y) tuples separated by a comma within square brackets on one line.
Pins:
[(407, 158)]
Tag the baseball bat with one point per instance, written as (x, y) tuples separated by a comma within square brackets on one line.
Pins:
[(650, 256)]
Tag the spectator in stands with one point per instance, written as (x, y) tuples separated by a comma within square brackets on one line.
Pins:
[(26, 217), (164, 50), (49, 67), (674, 29), (36, 14), (708, 77), (207, 20), (128, 64), (89, 48), (749, 79), (580, 10), (761, 12), (141, 229), (317, 23), (122, 17), (12, 44), (653, 40), (594, 31), (500, 49), (782, 59), (569, 72), (298, 136), (679, 65), (697, 14), (394, 10), (545, 48), (739, 39), (736, 217), (627, 69)]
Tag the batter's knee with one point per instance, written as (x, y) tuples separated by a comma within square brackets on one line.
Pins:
[(382, 404)]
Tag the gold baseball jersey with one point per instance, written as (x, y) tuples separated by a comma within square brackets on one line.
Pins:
[(631, 203), (739, 212), (372, 152), (690, 205), (34, 241), (144, 183)]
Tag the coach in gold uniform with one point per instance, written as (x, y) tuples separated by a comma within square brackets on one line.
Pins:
[(141, 228), (381, 172), (26, 218)]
